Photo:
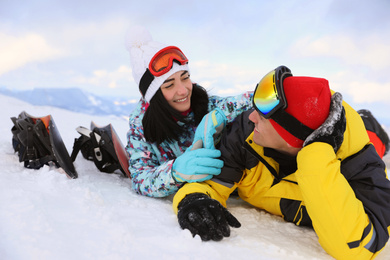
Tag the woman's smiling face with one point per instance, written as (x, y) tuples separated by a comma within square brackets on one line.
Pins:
[(177, 90)]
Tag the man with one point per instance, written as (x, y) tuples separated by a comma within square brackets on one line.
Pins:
[(302, 154)]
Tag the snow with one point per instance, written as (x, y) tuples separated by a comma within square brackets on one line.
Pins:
[(45, 215)]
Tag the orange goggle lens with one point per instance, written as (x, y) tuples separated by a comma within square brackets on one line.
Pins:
[(162, 62)]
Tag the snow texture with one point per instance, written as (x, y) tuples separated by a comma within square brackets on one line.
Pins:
[(45, 215)]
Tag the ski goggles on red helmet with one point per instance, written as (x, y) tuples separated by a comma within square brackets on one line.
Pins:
[(270, 101), (269, 93), (162, 61)]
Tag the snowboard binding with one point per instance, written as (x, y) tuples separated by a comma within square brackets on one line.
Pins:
[(102, 146), (38, 142)]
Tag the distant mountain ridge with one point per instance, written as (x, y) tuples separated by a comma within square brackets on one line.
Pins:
[(73, 99)]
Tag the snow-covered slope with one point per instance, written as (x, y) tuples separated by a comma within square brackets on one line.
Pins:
[(74, 99), (44, 215)]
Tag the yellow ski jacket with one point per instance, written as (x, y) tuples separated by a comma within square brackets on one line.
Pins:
[(345, 197)]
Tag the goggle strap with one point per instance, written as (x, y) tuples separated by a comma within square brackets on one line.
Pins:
[(145, 82), (291, 124)]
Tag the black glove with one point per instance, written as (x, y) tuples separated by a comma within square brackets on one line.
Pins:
[(205, 217), (332, 130)]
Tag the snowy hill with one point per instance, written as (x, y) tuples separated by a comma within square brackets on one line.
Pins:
[(73, 99), (44, 215)]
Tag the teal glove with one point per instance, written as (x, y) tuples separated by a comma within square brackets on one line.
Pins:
[(208, 131), (199, 162), (197, 165)]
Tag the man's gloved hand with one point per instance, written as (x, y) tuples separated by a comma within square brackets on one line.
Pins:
[(209, 128), (197, 165), (332, 130), (205, 217)]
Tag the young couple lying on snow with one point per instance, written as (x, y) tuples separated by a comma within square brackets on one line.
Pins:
[(293, 147)]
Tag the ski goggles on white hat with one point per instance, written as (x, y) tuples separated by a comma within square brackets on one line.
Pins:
[(169, 59), (162, 61), (269, 93)]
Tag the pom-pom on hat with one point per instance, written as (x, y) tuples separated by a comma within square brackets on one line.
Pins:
[(308, 100), (142, 49)]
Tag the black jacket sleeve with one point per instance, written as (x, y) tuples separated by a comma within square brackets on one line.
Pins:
[(235, 157)]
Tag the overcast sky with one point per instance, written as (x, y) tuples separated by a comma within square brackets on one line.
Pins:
[(230, 44)]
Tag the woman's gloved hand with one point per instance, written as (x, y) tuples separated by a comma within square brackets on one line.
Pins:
[(197, 165), (209, 130), (200, 161)]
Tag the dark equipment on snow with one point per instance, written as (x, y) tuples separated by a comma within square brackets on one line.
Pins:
[(102, 146), (38, 142), (372, 125)]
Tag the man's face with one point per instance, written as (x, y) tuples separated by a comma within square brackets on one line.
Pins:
[(265, 134)]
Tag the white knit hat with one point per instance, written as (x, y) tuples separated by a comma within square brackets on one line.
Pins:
[(142, 48)]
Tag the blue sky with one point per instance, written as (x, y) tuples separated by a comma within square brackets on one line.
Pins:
[(230, 44)]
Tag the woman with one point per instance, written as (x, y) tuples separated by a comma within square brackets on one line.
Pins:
[(163, 124)]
